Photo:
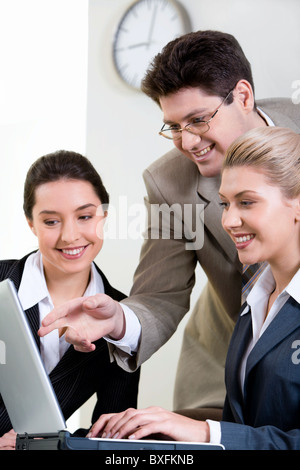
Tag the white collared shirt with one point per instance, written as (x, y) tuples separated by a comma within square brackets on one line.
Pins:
[(33, 290), (265, 117)]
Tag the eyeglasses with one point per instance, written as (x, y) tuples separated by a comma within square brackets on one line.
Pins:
[(197, 127)]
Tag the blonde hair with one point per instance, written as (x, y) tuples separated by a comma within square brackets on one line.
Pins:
[(274, 150)]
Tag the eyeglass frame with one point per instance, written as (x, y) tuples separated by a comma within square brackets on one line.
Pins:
[(186, 128)]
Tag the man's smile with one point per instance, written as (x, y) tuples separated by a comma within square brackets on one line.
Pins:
[(203, 152)]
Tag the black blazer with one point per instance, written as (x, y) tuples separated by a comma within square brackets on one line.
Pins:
[(267, 414), (78, 375)]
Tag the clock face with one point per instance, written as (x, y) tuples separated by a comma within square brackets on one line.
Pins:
[(146, 27)]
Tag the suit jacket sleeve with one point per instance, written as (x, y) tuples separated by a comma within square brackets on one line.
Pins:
[(163, 280), (241, 437)]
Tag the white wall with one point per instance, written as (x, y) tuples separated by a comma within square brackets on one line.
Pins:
[(59, 89), (43, 82)]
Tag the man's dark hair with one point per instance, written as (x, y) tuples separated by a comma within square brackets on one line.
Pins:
[(210, 60)]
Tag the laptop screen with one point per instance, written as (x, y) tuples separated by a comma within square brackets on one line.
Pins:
[(24, 384)]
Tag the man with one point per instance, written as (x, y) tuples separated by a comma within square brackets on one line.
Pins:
[(203, 84)]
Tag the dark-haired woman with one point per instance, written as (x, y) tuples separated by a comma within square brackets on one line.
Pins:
[(65, 206)]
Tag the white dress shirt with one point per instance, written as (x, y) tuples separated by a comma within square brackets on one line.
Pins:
[(266, 117), (33, 290)]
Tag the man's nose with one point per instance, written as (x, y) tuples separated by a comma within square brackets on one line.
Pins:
[(189, 140)]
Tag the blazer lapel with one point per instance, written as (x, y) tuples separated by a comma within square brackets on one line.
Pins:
[(75, 360), (34, 321), (285, 322), (239, 342), (208, 190), (32, 314)]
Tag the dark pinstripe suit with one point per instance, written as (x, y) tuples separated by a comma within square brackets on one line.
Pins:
[(79, 375)]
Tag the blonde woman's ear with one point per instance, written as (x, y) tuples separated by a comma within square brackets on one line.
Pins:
[(298, 210)]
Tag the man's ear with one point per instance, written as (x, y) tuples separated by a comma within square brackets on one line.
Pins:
[(244, 95)]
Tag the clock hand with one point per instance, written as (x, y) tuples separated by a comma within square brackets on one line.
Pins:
[(132, 46), (152, 25)]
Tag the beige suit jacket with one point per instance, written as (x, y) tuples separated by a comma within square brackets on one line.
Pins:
[(165, 276)]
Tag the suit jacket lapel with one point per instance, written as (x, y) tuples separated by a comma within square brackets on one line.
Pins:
[(74, 359), (239, 342), (208, 189), (285, 322), (34, 321), (32, 314)]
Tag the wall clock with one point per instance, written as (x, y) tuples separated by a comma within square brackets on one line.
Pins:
[(145, 28)]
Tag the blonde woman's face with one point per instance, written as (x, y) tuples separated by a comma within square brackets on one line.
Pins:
[(263, 224)]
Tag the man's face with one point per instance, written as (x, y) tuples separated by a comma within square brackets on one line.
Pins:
[(207, 150)]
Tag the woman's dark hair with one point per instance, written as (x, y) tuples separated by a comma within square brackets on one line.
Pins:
[(60, 165), (210, 60)]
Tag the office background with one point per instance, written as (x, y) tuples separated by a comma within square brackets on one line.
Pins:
[(59, 89)]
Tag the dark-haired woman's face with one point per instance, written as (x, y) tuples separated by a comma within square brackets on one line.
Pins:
[(68, 222)]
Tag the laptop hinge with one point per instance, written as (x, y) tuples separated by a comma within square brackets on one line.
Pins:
[(33, 441)]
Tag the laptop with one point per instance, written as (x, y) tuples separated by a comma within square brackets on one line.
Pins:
[(30, 400)]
